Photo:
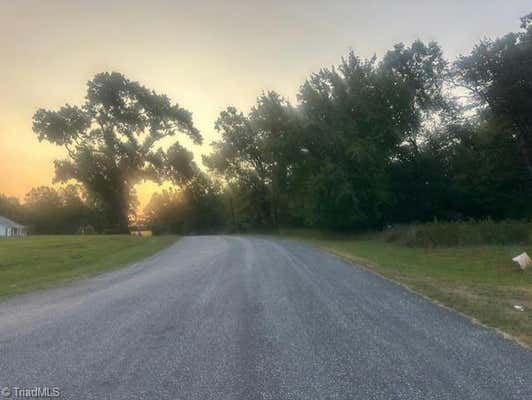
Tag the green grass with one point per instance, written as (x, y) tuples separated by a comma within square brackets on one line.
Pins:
[(479, 281), (37, 262)]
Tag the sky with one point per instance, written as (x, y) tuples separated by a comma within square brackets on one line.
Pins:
[(205, 55)]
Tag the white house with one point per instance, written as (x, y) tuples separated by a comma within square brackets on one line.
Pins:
[(11, 228)]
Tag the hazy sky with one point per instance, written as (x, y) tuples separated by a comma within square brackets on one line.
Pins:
[(205, 55)]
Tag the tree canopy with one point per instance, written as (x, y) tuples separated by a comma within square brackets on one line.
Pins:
[(111, 140), (259, 153), (369, 142), (499, 73)]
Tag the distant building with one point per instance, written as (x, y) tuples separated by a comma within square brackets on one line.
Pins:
[(11, 228)]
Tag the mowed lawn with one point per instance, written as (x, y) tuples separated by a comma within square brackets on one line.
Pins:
[(482, 281), (37, 262)]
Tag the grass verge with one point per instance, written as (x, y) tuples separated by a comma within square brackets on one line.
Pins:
[(37, 262), (479, 281)]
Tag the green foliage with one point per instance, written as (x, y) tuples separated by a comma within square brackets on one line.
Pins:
[(467, 170), (499, 73), (111, 141), (47, 210), (371, 143), (374, 143), (51, 211), (446, 234), (11, 208), (196, 207), (359, 115), (258, 154), (328, 163)]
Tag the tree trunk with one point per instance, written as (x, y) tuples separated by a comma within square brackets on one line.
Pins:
[(123, 222), (119, 212)]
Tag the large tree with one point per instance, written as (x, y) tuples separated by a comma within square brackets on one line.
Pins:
[(358, 115), (10, 207), (63, 210), (112, 140), (258, 154), (499, 73)]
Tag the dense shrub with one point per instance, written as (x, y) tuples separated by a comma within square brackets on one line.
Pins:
[(441, 234)]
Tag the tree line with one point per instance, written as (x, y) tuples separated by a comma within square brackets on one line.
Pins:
[(410, 137), (377, 142), (50, 210)]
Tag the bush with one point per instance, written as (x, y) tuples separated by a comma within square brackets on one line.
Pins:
[(470, 233)]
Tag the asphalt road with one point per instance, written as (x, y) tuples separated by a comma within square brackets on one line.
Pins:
[(251, 318)]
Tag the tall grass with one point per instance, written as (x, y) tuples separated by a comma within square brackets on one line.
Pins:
[(470, 233)]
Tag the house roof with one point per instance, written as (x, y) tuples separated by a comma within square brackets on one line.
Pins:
[(11, 224)]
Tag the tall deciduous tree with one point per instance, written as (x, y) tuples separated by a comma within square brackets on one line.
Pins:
[(258, 152), (499, 73), (112, 140), (359, 114), (10, 207)]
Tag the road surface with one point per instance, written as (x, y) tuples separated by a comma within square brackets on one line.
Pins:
[(225, 317)]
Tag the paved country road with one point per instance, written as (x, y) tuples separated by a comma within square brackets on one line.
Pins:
[(225, 317)]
